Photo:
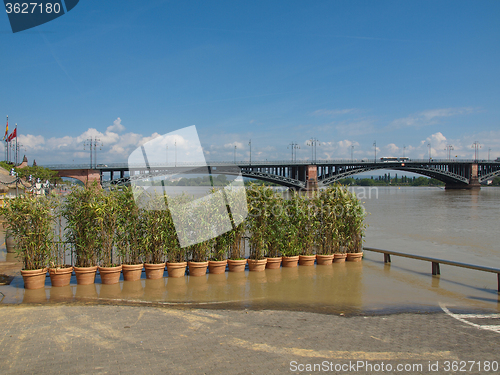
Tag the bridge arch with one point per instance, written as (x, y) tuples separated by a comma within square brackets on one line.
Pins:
[(83, 175)]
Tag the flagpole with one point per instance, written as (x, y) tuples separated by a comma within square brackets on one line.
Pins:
[(17, 151), (5, 139)]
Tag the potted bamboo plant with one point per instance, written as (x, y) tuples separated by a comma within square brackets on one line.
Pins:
[(306, 220), (59, 272), (237, 261), (327, 227), (341, 198), (236, 198), (81, 212), (154, 240), (257, 201), (130, 231), (176, 265), (29, 220), (107, 223), (354, 226), (276, 231), (218, 256), (290, 244)]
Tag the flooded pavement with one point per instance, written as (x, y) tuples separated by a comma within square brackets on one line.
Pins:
[(351, 288), (458, 226)]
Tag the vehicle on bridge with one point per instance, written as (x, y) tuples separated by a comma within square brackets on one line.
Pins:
[(388, 159)]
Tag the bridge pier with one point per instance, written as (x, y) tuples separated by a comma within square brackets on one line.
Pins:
[(312, 178), (473, 180)]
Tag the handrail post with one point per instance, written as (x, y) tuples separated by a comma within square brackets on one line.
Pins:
[(435, 268), (387, 258)]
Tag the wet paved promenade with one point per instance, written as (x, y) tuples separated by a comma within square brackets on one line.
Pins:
[(107, 339)]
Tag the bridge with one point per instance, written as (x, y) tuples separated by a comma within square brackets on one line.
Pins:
[(307, 174)]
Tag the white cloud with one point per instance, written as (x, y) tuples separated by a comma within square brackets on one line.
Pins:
[(116, 127), (392, 149), (238, 145), (430, 117), (32, 142)]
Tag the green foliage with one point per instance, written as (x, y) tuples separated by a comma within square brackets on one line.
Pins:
[(259, 200), (30, 219), (85, 213), (155, 237), (130, 229), (36, 172)]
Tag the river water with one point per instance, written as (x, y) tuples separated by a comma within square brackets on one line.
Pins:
[(454, 225)]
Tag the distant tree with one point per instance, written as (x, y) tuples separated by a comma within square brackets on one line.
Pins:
[(366, 182), (37, 172), (420, 181)]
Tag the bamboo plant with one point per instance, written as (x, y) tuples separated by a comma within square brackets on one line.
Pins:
[(82, 214), (30, 220), (130, 228)]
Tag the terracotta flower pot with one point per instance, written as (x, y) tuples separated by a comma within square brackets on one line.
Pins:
[(176, 269), (354, 257), (110, 275), (307, 260), (154, 271), (290, 261), (85, 275), (34, 279), (132, 272), (236, 265), (60, 276), (217, 266), (273, 263), (197, 268), (257, 265), (324, 260), (339, 257)]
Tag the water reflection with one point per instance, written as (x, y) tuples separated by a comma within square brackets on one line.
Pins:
[(132, 289), (35, 296), (61, 294), (85, 291), (112, 291)]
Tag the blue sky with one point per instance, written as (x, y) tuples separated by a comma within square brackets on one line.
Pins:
[(403, 74)]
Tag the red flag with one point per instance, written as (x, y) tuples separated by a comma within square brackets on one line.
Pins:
[(6, 128), (13, 135)]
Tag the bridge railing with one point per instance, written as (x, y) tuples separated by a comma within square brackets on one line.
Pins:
[(435, 262), (245, 163)]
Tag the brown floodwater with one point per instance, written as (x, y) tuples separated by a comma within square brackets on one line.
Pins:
[(460, 225)]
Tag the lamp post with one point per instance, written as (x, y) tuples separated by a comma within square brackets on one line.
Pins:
[(250, 144), (404, 149), (449, 148), (476, 146), (489, 150), (294, 146), (234, 154), (313, 142), (375, 147), (429, 147), (352, 153)]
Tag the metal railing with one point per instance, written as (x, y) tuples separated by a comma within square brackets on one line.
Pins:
[(436, 262), (256, 163)]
